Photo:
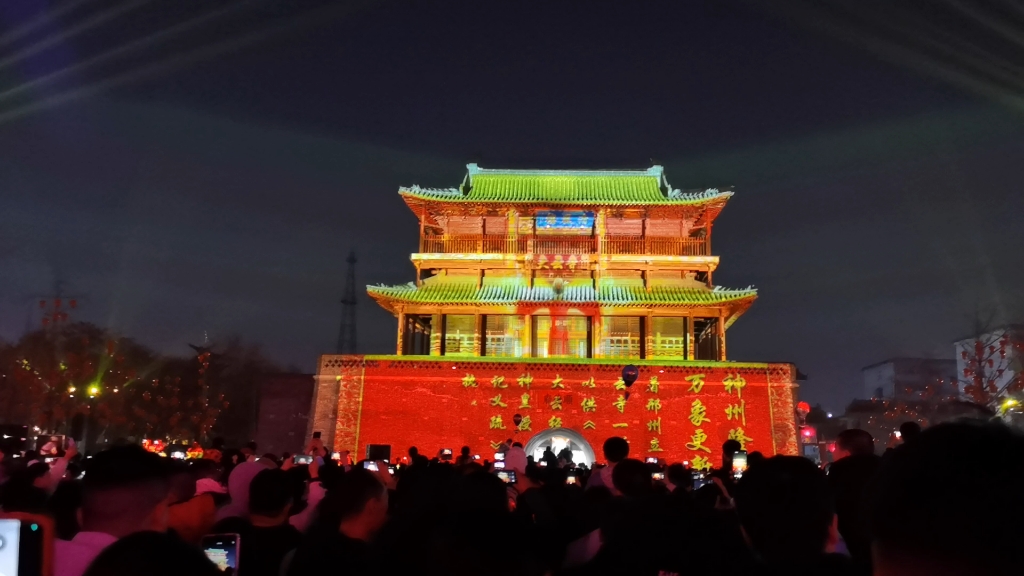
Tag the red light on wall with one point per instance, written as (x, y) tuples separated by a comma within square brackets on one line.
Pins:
[(807, 431)]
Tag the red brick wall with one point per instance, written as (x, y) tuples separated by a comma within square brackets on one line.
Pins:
[(426, 403)]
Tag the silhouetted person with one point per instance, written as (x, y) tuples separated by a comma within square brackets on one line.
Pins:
[(348, 518), (632, 478), (63, 506), (723, 475), (24, 491), (125, 490), (615, 450), (679, 478), (463, 458), (855, 464), (754, 458), (947, 504), (266, 535), (909, 430), (785, 507), (549, 457)]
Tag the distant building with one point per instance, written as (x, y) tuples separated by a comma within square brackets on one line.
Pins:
[(909, 378), (285, 401), (994, 356)]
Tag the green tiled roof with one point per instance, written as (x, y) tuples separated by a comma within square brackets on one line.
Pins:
[(624, 187), (468, 293)]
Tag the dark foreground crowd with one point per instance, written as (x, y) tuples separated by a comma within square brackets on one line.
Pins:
[(944, 502)]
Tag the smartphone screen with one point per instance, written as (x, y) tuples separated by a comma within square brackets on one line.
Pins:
[(499, 465), (499, 456), (571, 479), (21, 547), (301, 459), (507, 476), (222, 550), (652, 460), (178, 455), (391, 469), (657, 475), (335, 455), (370, 465), (543, 463), (739, 464)]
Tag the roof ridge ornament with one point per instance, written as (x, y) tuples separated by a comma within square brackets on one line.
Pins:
[(654, 171), (417, 189), (677, 194)]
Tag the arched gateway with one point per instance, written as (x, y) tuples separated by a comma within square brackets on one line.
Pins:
[(558, 439)]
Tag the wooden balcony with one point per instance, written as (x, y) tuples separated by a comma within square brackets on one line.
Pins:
[(497, 244)]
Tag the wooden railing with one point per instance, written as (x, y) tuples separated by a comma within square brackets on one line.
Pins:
[(475, 244), (659, 245), (563, 245), (498, 244)]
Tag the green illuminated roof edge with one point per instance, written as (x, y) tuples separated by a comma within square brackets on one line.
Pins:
[(454, 195), (467, 292), (579, 187)]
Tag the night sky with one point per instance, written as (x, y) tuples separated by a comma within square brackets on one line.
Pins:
[(196, 167)]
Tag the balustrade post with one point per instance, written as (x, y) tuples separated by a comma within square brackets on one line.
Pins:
[(478, 346), (401, 333), (721, 337), (690, 340), (423, 218)]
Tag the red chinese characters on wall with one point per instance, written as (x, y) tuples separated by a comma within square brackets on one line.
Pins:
[(678, 413)]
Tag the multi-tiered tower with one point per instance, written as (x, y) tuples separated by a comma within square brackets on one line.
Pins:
[(526, 279), (564, 264)]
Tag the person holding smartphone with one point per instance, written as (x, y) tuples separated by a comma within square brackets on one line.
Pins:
[(723, 477), (266, 535)]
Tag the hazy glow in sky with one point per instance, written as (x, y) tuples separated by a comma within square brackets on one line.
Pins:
[(875, 208)]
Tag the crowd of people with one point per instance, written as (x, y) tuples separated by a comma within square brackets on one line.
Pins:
[(940, 503)]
